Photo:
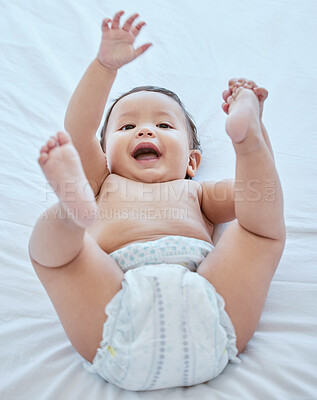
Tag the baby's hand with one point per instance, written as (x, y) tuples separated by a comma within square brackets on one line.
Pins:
[(116, 48)]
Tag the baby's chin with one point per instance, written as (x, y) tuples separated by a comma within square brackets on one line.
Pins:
[(152, 176)]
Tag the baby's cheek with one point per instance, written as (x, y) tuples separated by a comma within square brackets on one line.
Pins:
[(116, 159)]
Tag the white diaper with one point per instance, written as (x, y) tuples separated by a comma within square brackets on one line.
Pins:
[(167, 326)]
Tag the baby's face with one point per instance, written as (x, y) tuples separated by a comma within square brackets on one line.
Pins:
[(147, 139)]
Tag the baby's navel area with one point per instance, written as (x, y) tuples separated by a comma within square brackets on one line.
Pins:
[(130, 211)]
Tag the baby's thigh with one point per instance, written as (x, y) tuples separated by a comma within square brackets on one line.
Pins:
[(241, 268), (79, 291)]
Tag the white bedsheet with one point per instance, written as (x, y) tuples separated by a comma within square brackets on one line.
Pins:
[(198, 45)]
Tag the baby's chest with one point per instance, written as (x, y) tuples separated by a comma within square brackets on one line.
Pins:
[(135, 195)]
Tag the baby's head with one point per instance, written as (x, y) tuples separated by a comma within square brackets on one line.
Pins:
[(154, 116)]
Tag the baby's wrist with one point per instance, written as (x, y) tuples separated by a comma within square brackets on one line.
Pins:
[(106, 67)]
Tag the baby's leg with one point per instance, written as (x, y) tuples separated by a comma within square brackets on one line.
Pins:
[(258, 192), (79, 277), (245, 258)]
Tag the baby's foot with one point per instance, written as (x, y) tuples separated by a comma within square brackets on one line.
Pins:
[(62, 167), (235, 83), (244, 105)]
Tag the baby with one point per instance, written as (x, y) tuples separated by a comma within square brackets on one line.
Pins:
[(126, 255)]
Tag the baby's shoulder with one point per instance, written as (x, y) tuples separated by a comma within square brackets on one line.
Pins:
[(194, 189), (111, 183)]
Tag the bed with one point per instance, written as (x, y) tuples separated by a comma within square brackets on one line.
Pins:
[(198, 46)]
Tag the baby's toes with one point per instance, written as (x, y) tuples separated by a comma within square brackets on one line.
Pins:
[(261, 93), (240, 82), (235, 93), (52, 142), (248, 84), (231, 99), (43, 158), (226, 94), (231, 83), (63, 138), (44, 149), (225, 107)]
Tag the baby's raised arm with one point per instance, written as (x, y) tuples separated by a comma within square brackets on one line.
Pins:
[(86, 106)]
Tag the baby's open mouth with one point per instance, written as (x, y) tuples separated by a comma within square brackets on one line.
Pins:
[(146, 151), (146, 154)]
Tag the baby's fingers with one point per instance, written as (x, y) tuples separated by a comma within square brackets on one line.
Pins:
[(105, 26), (116, 20), (136, 29), (129, 22), (140, 50)]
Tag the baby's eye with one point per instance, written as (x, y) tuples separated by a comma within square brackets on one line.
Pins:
[(127, 127), (164, 126)]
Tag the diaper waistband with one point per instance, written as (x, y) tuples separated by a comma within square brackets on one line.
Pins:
[(189, 252)]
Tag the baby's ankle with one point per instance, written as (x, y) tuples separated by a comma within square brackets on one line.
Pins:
[(251, 144)]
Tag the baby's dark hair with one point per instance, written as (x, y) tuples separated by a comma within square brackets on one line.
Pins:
[(191, 127)]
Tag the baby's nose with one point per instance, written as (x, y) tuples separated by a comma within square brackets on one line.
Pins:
[(145, 132)]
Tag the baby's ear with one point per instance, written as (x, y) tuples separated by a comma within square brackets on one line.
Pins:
[(193, 162)]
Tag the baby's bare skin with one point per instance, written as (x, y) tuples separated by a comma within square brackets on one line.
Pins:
[(128, 211), (75, 238), (62, 167), (70, 243), (133, 211)]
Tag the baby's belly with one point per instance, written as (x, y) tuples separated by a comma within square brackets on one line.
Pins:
[(118, 227)]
